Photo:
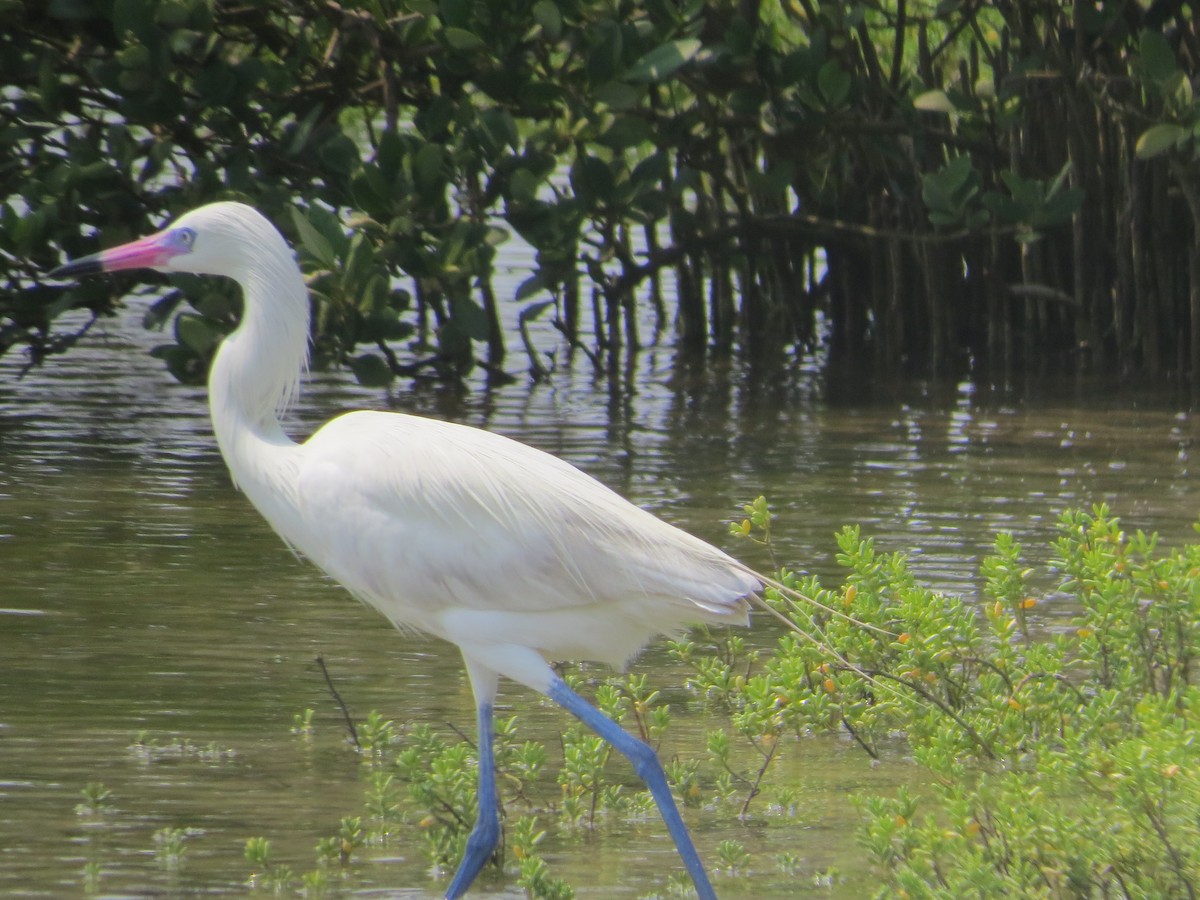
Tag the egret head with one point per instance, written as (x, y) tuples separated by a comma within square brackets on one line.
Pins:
[(261, 375), (217, 239)]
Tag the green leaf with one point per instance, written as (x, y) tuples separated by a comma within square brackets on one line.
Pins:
[(1005, 211), (70, 9), (834, 83), (663, 61), (374, 293), (955, 176), (534, 284), (534, 310), (455, 348), (429, 170), (371, 370), (1157, 57), (303, 129), (198, 334), (546, 14), (523, 185), (181, 362), (591, 179), (219, 306), (934, 101), (1059, 208), (384, 324), (604, 58), (1158, 139), (1179, 88), (469, 316), (358, 263), (617, 95), (773, 182), (434, 118), (128, 17), (464, 41), (652, 170), (313, 242), (626, 132), (217, 83), (340, 154), (497, 130), (135, 56), (330, 227), (1028, 193), (389, 155), (373, 193), (455, 12), (949, 192)]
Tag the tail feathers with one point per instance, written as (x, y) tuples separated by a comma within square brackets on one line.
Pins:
[(735, 612), (815, 636), (725, 594)]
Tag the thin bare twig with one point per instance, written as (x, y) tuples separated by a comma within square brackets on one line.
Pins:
[(340, 702)]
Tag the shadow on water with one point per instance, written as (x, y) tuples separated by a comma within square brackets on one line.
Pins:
[(140, 593)]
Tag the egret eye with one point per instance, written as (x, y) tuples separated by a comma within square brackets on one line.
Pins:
[(184, 238)]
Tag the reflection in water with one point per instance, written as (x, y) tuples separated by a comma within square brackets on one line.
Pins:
[(139, 592)]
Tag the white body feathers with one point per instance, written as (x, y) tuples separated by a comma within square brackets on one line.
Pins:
[(452, 530)]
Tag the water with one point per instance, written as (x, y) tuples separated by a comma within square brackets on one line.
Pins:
[(140, 594)]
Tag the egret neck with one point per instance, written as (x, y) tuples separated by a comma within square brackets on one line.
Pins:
[(257, 372)]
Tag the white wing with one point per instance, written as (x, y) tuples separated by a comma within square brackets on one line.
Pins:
[(415, 515)]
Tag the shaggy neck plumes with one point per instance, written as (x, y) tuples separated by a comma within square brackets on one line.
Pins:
[(258, 368)]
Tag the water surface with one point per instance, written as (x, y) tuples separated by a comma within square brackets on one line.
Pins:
[(139, 593)]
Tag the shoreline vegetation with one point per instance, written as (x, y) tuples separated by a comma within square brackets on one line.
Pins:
[(1055, 756), (913, 186)]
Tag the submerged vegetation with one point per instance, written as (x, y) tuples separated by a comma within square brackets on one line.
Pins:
[(911, 182), (1059, 754)]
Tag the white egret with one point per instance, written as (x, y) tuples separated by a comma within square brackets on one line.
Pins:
[(513, 555)]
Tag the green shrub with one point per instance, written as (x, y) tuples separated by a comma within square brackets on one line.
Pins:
[(1060, 752), (1063, 760)]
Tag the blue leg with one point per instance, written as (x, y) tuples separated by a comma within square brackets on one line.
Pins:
[(646, 764), (486, 833)]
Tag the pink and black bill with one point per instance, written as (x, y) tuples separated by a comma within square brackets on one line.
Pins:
[(150, 252)]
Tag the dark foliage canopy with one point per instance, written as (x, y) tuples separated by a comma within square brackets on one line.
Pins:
[(913, 183)]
